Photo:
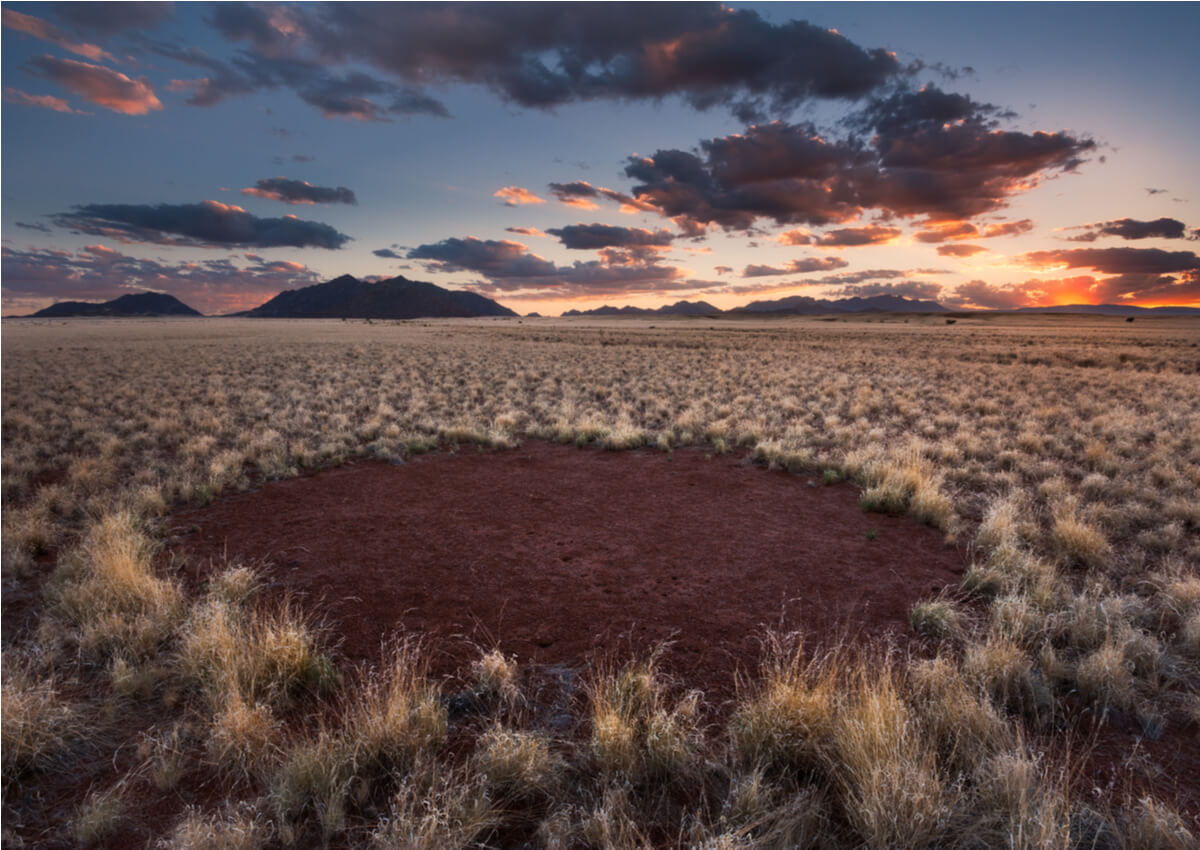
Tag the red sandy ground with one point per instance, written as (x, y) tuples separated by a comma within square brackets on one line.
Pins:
[(559, 555)]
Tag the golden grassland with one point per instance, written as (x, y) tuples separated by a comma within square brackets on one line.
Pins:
[(1063, 453)]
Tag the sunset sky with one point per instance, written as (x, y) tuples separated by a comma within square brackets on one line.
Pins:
[(566, 156)]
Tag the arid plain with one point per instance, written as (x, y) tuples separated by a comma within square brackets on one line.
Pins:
[(167, 680)]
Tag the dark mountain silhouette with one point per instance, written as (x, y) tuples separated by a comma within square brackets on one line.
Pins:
[(679, 308), (348, 297), (139, 304), (803, 305), (1114, 310)]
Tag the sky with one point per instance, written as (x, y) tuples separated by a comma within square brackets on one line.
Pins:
[(564, 156)]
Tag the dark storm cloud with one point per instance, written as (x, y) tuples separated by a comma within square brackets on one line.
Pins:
[(546, 55), (100, 273), (592, 237), (509, 266), (299, 192), (1116, 260), (912, 165), (206, 224), (800, 266), (1131, 228), (960, 250)]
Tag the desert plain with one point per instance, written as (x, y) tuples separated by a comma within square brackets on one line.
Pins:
[(878, 581)]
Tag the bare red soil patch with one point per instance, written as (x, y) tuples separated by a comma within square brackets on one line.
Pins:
[(557, 555)]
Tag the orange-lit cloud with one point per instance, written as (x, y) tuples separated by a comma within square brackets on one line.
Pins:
[(516, 195), (956, 230), (101, 86), (960, 250), (526, 231), (855, 237), (43, 101), (46, 31)]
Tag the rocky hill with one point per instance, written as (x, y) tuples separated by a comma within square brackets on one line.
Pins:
[(348, 297)]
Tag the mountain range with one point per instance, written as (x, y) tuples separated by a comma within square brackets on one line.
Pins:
[(135, 304), (348, 297), (679, 308)]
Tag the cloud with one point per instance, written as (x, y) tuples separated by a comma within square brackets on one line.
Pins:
[(985, 296), (387, 254), (509, 266), (515, 196), (960, 250), (299, 192), (354, 95), (1131, 228), (911, 165), (525, 231), (1115, 260), (795, 237), (206, 224), (43, 101), (111, 18), (1121, 275), (47, 31), (800, 266), (548, 55), (1151, 191), (37, 226), (952, 230), (922, 290), (857, 236), (34, 278), (592, 237), (583, 195), (101, 86)]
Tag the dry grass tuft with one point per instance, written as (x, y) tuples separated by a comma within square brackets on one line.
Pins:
[(892, 789), (638, 733), (38, 725), (517, 766), (787, 723), (112, 596), (243, 828)]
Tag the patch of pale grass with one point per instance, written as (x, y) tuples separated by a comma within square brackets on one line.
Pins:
[(495, 677), (38, 724), (516, 765), (937, 618), (243, 737), (101, 815), (958, 718), (1075, 541), (1006, 672), (1105, 679), (243, 828), (787, 721), (447, 813), (119, 606), (264, 654), (887, 770), (638, 732), (397, 716)]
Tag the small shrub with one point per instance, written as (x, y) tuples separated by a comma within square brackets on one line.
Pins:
[(38, 726)]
